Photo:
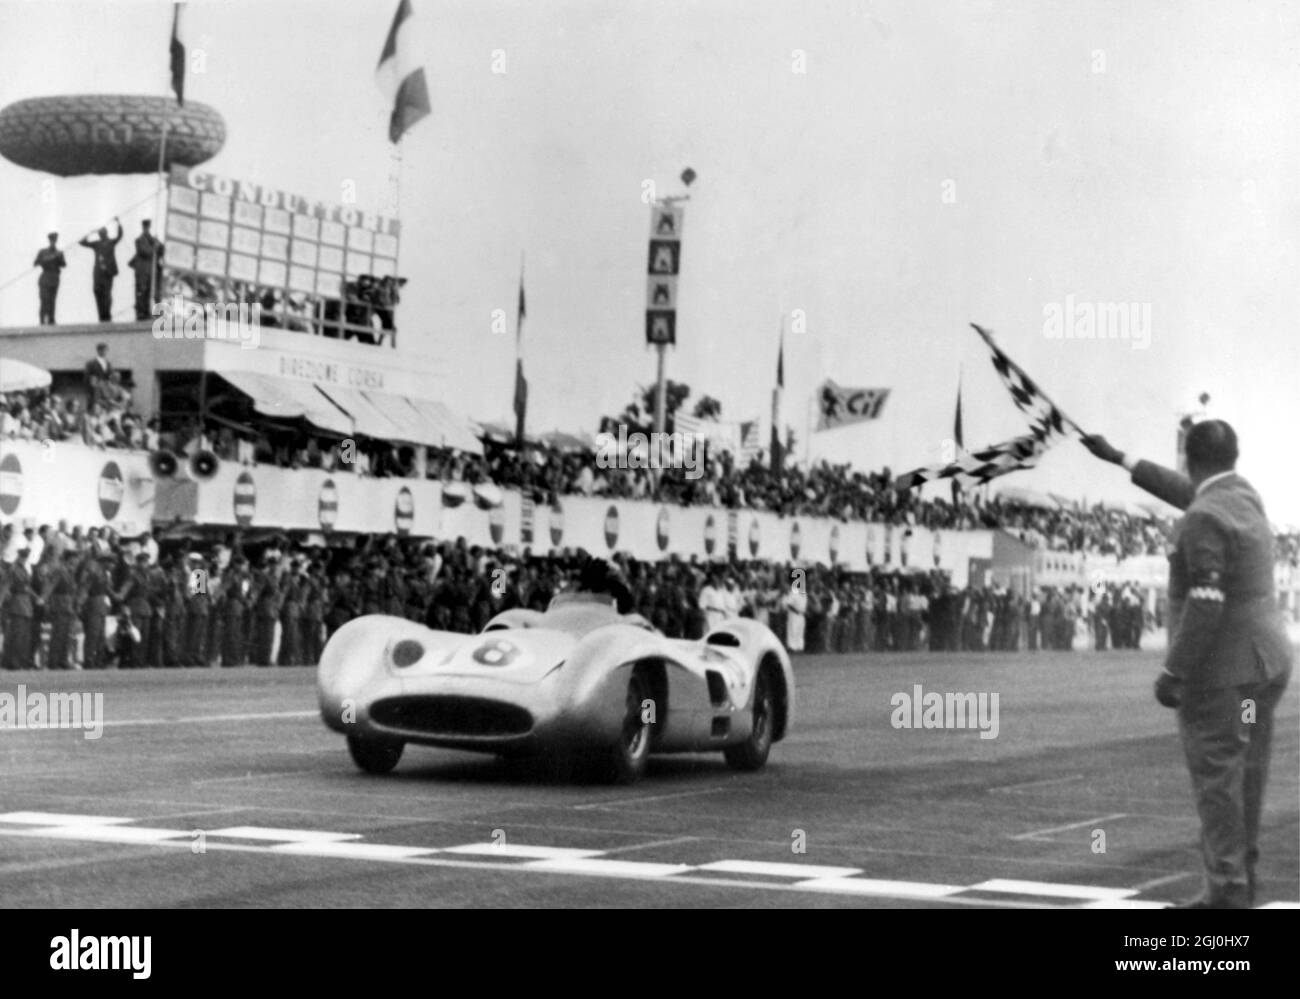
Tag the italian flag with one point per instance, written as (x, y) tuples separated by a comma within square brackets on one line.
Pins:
[(400, 76)]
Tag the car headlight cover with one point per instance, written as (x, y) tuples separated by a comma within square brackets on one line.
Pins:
[(406, 652)]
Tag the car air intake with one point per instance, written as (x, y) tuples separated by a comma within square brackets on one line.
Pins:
[(717, 686), (451, 716)]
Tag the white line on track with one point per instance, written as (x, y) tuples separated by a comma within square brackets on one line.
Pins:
[(281, 835), (884, 889), (598, 805), (113, 834), (607, 868), (675, 841), (806, 872), (1037, 833), (601, 872), (1005, 788), (519, 850), (209, 719), (328, 814), (61, 819), (1124, 903), (1013, 887), (251, 776), (1167, 879), (353, 851)]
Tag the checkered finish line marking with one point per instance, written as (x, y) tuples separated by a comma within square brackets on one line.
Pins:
[(575, 862)]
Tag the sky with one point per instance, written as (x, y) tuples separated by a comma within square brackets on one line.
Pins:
[(872, 176)]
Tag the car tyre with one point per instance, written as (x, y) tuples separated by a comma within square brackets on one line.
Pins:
[(373, 755), (627, 759), (752, 753)]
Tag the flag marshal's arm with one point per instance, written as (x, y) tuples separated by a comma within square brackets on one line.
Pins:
[(1163, 483)]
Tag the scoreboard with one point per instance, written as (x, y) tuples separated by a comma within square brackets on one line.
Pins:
[(236, 230)]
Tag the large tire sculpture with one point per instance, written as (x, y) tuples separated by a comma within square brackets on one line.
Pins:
[(107, 134)]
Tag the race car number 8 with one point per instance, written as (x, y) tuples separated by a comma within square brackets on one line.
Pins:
[(497, 652)]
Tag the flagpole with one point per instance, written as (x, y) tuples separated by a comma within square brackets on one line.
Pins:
[(776, 441), (176, 67), (959, 438), (158, 214), (807, 437), (521, 400)]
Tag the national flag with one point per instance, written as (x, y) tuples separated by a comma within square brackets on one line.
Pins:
[(958, 438), (400, 77), (777, 456), (720, 435), (178, 56), (684, 423), (521, 383), (750, 443)]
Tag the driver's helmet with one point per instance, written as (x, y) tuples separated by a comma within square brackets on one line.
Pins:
[(594, 577)]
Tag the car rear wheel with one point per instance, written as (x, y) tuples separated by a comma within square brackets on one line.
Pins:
[(626, 760), (752, 753), (373, 755)]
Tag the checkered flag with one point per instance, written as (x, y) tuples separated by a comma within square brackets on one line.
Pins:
[(1025, 393), (1047, 424), (974, 468)]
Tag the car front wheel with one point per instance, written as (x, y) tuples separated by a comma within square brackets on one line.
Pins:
[(373, 755), (626, 760), (752, 753)]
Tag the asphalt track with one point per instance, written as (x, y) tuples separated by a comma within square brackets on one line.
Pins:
[(221, 788)]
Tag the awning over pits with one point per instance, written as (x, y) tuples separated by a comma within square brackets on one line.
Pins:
[(368, 418), (441, 427), (347, 411), (288, 399)]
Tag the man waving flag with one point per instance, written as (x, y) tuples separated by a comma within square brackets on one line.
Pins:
[(400, 76)]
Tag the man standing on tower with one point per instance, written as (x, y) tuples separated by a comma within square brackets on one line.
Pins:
[(51, 261), (105, 270), (146, 264)]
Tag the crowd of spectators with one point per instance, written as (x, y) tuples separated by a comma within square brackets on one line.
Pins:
[(72, 598), (105, 417), (107, 420), (824, 489), (102, 415)]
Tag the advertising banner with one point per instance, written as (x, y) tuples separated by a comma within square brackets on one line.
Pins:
[(43, 483)]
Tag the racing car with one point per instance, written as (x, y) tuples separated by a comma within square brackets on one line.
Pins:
[(579, 681)]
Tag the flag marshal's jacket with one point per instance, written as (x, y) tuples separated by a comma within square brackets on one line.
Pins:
[(1225, 627)]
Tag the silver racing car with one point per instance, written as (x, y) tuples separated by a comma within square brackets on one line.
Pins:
[(578, 681)]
